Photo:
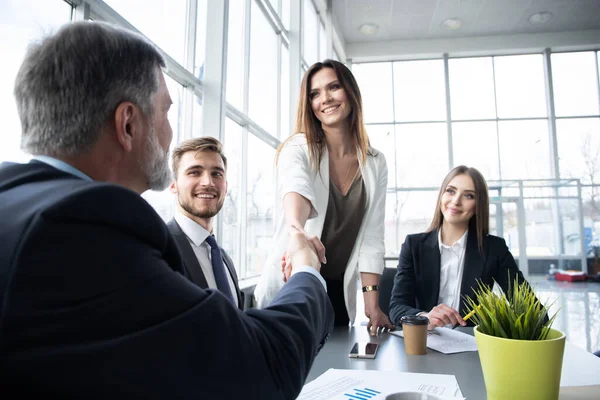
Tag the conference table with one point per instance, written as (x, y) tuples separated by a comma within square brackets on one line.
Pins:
[(580, 368)]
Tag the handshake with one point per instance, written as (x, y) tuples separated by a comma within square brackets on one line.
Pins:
[(302, 249)]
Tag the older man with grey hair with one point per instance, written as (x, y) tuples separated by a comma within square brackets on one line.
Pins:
[(93, 301)]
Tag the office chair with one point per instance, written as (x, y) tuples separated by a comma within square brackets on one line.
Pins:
[(386, 283)]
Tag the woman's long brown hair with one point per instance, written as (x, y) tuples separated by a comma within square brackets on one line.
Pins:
[(308, 124)]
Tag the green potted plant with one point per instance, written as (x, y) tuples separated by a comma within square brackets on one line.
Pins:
[(521, 355)]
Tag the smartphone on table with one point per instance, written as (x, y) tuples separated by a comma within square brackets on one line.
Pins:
[(363, 350)]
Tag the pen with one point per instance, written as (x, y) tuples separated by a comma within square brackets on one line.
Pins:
[(469, 315)]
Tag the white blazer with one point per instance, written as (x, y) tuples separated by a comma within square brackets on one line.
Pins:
[(294, 174)]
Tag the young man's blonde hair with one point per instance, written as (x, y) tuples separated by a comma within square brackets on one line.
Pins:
[(204, 143)]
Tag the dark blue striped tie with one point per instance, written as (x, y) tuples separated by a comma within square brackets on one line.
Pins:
[(219, 268)]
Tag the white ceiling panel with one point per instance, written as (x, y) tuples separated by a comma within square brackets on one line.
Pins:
[(423, 19)]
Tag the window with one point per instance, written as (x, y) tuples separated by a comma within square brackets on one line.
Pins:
[(383, 139), (322, 43), (579, 149), (201, 38), (162, 21), (524, 149), (260, 202), (310, 32), (235, 57), (285, 129), (414, 211), (21, 23), (482, 136), (520, 87), (263, 68), (374, 83), (472, 88), (574, 77), (421, 154), (231, 213), (419, 91)]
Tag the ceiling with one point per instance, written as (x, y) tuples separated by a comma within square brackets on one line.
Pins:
[(423, 19)]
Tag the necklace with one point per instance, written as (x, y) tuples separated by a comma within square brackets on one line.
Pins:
[(344, 182)]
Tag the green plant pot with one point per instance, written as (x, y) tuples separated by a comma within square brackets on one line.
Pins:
[(521, 369)]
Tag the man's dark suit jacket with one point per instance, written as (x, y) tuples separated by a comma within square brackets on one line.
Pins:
[(94, 304), (417, 281), (191, 264)]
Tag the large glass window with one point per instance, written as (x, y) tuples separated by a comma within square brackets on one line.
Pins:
[(574, 77), (579, 149), (310, 32), (520, 87), (377, 93), (467, 136), (201, 38), (524, 149), (263, 67), (231, 213), (414, 210), (260, 202), (421, 154), (472, 88), (383, 139), (285, 130), (162, 21), (235, 56), (419, 91), (322, 42), (20, 23)]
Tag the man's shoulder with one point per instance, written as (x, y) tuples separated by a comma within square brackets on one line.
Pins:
[(58, 196)]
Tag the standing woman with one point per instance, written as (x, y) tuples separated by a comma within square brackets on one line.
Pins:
[(438, 268), (333, 187)]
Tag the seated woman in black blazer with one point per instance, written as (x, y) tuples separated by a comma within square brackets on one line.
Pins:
[(441, 266)]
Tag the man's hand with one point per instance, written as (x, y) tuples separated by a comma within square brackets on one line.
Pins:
[(299, 252), (442, 315)]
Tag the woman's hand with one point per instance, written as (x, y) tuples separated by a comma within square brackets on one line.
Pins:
[(378, 321), (442, 315), (312, 239)]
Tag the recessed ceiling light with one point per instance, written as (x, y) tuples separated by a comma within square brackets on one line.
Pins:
[(452, 23), (369, 29), (541, 17)]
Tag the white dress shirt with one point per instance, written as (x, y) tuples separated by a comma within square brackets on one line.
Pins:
[(196, 234), (452, 263)]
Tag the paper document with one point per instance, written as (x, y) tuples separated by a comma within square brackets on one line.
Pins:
[(375, 385), (447, 341)]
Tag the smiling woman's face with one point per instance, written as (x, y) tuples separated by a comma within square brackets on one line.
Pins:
[(328, 98), (458, 201)]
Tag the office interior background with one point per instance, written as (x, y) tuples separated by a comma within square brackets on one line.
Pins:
[(510, 87)]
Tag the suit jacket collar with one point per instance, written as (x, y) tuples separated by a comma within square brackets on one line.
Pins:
[(190, 261), (191, 264), (193, 230)]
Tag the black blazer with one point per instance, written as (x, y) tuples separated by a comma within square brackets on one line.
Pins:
[(94, 304), (417, 281), (192, 266)]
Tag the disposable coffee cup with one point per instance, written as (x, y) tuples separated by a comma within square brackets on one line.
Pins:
[(412, 396), (415, 334)]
